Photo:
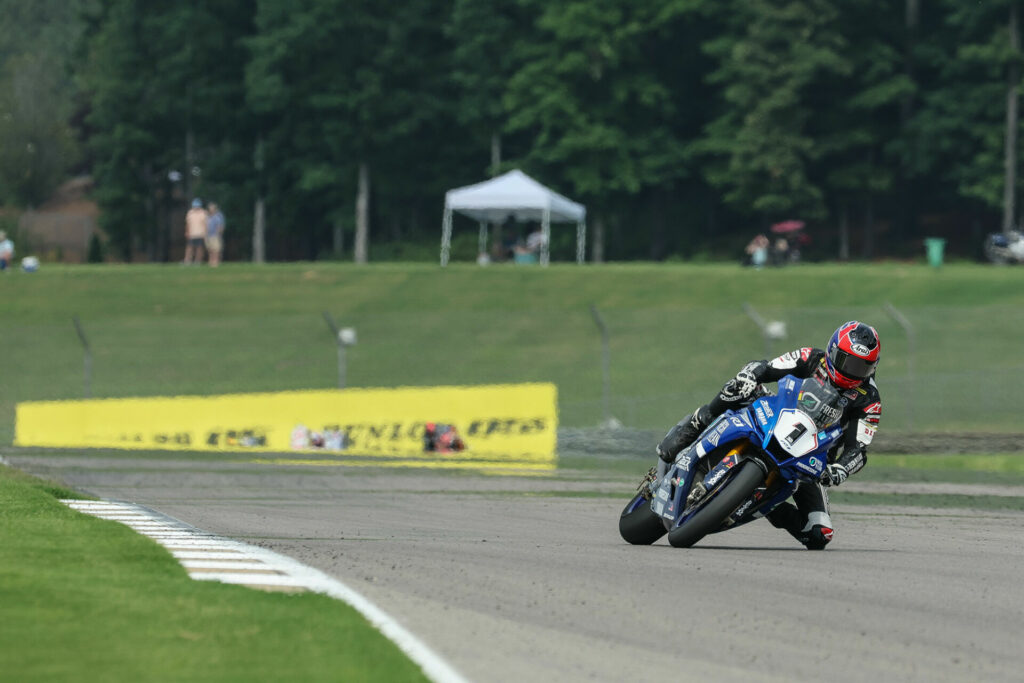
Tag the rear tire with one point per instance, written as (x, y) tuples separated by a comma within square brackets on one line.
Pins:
[(720, 506), (641, 526)]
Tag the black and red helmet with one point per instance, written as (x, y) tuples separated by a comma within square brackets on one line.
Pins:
[(852, 354)]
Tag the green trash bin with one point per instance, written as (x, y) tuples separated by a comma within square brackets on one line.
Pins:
[(935, 247)]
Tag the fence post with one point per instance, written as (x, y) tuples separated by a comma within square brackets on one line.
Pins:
[(88, 355), (770, 329), (343, 337), (908, 330), (608, 420)]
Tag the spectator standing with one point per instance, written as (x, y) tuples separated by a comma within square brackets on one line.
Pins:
[(195, 232), (215, 235), (757, 251), (780, 251), (6, 251)]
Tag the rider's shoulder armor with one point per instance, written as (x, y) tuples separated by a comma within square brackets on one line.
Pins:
[(799, 362)]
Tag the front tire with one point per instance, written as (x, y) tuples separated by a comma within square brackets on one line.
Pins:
[(722, 504), (638, 524)]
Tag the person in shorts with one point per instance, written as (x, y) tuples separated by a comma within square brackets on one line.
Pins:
[(195, 232), (215, 235)]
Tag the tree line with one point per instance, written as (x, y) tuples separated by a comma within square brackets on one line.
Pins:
[(332, 128)]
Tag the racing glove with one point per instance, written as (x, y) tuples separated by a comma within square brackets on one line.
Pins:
[(741, 387), (834, 475)]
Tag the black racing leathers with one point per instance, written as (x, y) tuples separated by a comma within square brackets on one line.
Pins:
[(809, 522)]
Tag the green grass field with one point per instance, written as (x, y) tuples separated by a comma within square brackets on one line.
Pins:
[(91, 600), (677, 331)]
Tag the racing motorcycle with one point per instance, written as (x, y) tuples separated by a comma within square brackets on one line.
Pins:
[(744, 464), (1005, 247)]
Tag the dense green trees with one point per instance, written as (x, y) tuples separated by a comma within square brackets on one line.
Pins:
[(684, 125), (37, 44)]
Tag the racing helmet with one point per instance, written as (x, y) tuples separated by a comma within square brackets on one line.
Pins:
[(852, 354)]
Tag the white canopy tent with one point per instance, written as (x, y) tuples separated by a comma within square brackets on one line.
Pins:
[(513, 194)]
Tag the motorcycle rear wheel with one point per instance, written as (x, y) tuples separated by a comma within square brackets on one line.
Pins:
[(718, 506), (639, 525)]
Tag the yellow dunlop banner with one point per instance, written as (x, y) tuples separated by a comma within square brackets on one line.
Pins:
[(494, 423)]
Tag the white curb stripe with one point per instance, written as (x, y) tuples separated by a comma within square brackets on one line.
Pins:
[(212, 558), (221, 564), (251, 579), (208, 555)]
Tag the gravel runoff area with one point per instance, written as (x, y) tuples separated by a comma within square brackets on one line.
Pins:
[(509, 581)]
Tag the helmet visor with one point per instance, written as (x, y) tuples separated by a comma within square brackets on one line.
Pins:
[(850, 365)]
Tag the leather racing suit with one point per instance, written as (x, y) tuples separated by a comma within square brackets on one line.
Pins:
[(808, 521)]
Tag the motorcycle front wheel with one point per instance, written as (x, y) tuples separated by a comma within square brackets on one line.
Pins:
[(719, 504), (638, 524)]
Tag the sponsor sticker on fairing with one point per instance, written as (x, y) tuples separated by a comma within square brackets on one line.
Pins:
[(715, 478), (684, 462), (807, 468)]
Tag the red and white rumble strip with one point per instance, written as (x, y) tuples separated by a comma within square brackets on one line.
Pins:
[(213, 558)]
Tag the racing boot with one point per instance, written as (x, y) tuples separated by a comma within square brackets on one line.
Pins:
[(787, 517), (811, 535), (684, 434)]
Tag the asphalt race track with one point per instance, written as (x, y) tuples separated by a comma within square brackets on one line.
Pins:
[(509, 582)]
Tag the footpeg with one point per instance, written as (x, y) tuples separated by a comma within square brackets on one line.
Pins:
[(644, 489)]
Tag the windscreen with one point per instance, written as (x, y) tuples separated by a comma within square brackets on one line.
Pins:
[(820, 402)]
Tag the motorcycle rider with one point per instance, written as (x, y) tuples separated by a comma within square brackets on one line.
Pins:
[(848, 362)]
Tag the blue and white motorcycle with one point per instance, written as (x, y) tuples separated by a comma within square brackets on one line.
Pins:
[(744, 464)]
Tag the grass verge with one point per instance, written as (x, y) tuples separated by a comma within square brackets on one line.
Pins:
[(91, 600), (924, 500)]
